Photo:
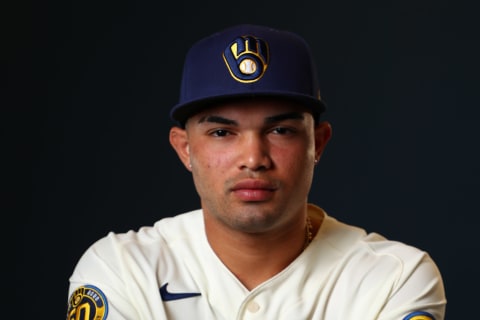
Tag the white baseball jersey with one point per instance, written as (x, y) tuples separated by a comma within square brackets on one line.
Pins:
[(169, 271)]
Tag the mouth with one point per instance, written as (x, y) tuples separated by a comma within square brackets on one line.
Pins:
[(254, 190)]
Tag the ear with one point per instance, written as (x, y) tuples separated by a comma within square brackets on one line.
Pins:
[(323, 133), (179, 141)]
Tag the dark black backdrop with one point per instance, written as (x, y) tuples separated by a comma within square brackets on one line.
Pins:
[(98, 80)]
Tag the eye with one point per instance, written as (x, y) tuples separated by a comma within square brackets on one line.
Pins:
[(282, 130), (219, 133)]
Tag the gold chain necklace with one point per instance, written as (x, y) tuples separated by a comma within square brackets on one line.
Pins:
[(308, 233)]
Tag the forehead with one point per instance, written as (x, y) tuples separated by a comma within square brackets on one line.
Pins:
[(252, 108)]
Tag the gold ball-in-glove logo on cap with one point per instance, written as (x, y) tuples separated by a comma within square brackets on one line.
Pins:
[(246, 58)]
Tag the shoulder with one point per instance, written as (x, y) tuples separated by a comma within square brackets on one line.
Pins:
[(359, 249), (166, 231), (345, 238), (148, 241), (400, 278)]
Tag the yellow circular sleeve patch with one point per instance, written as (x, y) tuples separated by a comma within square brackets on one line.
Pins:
[(87, 303), (419, 315)]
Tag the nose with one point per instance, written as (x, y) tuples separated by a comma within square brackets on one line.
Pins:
[(254, 153)]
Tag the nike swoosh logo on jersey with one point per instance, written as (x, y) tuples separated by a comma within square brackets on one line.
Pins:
[(169, 296)]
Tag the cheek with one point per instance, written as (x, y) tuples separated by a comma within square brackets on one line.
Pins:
[(213, 162), (296, 163), (299, 167), (209, 172), (295, 155)]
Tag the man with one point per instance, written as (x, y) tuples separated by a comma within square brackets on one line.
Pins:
[(249, 128)]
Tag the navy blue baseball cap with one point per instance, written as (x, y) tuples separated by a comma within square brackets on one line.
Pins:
[(247, 61)]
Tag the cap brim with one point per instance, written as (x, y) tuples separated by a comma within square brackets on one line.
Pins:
[(181, 112)]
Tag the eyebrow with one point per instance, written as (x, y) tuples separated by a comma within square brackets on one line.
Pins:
[(217, 119), (285, 116), (268, 120)]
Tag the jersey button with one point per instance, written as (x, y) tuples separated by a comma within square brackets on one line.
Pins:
[(253, 307)]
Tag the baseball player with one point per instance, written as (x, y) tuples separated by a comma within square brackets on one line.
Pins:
[(248, 127)]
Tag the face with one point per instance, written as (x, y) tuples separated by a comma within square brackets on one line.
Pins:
[(252, 161)]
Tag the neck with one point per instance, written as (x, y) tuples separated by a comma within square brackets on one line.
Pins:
[(267, 253)]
